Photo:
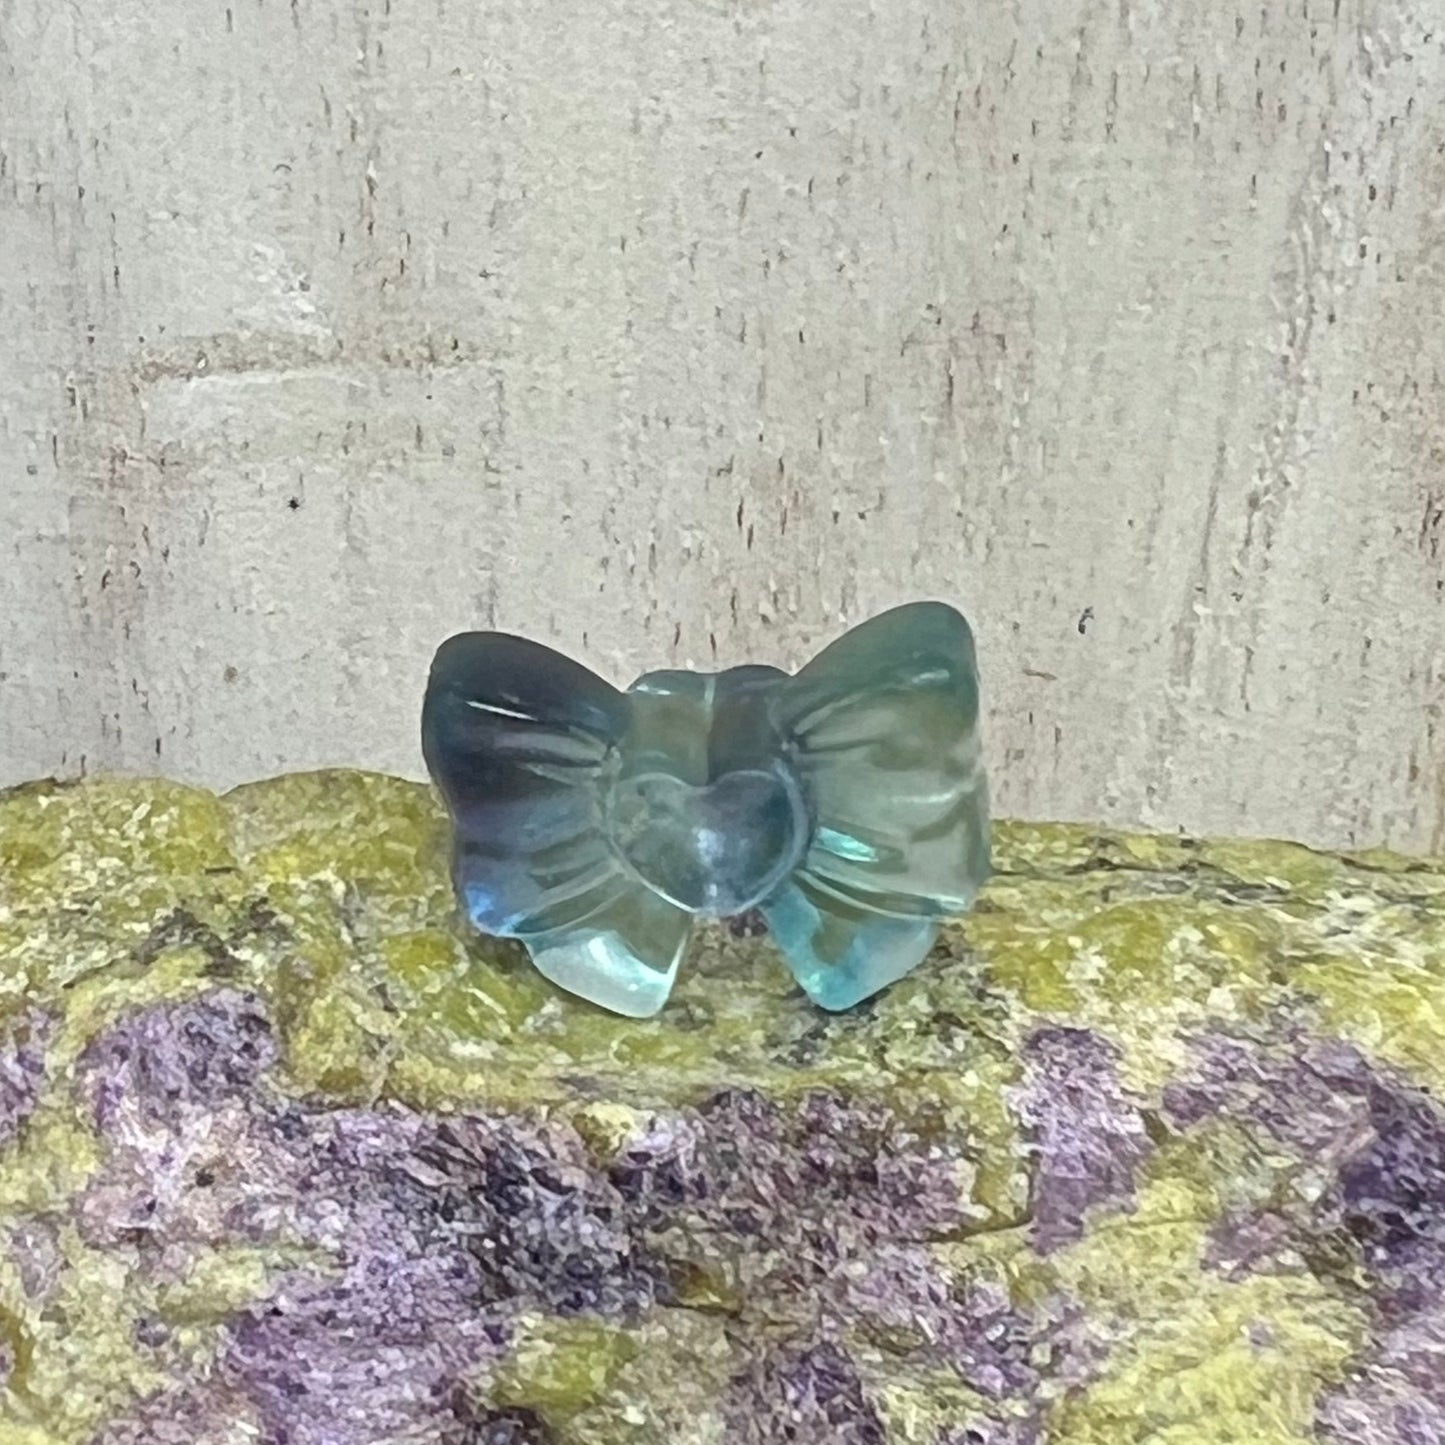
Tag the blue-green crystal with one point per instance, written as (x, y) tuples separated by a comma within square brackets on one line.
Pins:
[(846, 802)]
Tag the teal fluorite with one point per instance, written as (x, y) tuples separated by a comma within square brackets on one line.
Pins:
[(847, 802)]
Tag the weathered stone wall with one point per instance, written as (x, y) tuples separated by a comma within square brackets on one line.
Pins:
[(682, 330)]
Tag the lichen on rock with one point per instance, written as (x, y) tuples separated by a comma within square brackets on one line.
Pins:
[(1150, 1149)]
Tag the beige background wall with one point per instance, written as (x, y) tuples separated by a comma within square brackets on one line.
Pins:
[(688, 331)]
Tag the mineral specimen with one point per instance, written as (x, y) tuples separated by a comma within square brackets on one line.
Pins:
[(846, 803), (1151, 1149)]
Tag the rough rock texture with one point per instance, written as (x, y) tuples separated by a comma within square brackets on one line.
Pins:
[(1151, 1150)]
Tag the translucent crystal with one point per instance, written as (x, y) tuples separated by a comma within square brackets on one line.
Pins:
[(847, 802)]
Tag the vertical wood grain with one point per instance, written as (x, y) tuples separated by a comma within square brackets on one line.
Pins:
[(682, 331)]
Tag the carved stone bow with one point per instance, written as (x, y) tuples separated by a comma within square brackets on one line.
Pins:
[(847, 802)]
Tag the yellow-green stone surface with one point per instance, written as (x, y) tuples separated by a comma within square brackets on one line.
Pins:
[(1150, 1150)]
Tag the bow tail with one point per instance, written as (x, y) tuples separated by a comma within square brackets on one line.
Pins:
[(623, 957), (841, 951)]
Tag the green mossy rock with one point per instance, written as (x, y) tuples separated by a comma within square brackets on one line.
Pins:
[(1150, 1150)]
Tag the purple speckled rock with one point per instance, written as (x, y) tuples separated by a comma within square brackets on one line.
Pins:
[(192, 1055), (1380, 1143), (1391, 1198), (1089, 1139), (812, 1392), (287, 1157), (1397, 1397), (23, 1037)]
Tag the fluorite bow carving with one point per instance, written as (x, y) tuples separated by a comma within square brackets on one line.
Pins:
[(846, 801)]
